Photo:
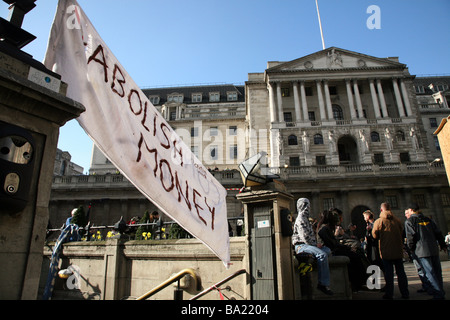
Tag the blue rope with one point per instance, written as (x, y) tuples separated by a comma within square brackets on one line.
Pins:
[(70, 233)]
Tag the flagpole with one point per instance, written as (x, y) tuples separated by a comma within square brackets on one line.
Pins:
[(320, 24)]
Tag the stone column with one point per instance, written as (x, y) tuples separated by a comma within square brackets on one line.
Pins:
[(298, 114), (358, 100), (280, 103), (382, 99), (350, 99), (323, 115), (406, 97), (373, 92), (304, 103), (398, 97), (272, 104), (328, 100)]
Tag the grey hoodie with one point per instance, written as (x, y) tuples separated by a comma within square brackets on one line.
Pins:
[(303, 232)]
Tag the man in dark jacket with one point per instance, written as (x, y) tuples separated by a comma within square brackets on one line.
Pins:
[(422, 237)]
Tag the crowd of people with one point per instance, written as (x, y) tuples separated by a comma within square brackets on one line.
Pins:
[(384, 244)]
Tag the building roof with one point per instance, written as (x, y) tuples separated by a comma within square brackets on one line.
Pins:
[(427, 81), (205, 90)]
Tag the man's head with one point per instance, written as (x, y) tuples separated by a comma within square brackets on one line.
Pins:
[(413, 208)]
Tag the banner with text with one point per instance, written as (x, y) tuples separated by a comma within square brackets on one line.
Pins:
[(129, 130)]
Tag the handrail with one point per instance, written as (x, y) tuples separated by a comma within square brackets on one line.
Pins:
[(171, 280), (218, 284)]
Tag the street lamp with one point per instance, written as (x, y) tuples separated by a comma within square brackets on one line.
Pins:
[(11, 31)]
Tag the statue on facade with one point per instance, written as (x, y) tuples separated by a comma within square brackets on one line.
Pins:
[(389, 140), (332, 139), (364, 143), (334, 59), (280, 143), (415, 140), (305, 142)]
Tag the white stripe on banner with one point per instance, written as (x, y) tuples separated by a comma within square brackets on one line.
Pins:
[(129, 130)]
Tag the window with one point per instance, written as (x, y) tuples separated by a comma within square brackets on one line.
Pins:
[(420, 89), (154, 100), (333, 91), (287, 116), (194, 132), (364, 113), (176, 98), (433, 123), (328, 203), (232, 96), (213, 132), (436, 143), (392, 200), (197, 97), (233, 152), (312, 116), (420, 200), (318, 139), (285, 92), (378, 158), (337, 112), (214, 152), (400, 136), (321, 160), (232, 130), (292, 140), (375, 136), (214, 97), (360, 89), (404, 157), (294, 161), (194, 150), (173, 116), (445, 197)]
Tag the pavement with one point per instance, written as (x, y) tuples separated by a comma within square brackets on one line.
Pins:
[(414, 284)]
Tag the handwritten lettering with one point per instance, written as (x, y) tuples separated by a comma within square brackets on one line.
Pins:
[(155, 142)]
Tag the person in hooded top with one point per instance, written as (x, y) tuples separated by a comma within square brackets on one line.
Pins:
[(304, 241), (388, 231)]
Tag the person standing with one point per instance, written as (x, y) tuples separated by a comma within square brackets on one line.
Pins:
[(447, 242), (304, 241), (388, 230), (423, 236)]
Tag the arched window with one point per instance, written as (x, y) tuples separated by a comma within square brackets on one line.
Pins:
[(292, 140), (375, 136), (318, 139), (400, 136), (338, 114)]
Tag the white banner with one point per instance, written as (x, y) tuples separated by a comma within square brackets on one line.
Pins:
[(129, 130)]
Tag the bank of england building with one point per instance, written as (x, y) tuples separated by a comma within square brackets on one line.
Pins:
[(342, 128)]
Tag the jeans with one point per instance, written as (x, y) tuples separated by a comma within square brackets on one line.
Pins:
[(433, 272), (321, 255), (389, 277)]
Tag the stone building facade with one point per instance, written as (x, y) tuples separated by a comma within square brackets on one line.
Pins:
[(345, 130), (342, 128)]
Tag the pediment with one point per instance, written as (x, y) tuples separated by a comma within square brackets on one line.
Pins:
[(334, 59)]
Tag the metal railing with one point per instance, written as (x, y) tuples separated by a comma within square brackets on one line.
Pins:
[(218, 284), (171, 280)]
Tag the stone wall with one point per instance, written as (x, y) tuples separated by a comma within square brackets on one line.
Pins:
[(114, 269)]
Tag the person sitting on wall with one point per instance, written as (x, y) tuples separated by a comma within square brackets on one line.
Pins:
[(304, 241)]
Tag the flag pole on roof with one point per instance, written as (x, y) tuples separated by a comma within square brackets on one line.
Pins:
[(320, 25)]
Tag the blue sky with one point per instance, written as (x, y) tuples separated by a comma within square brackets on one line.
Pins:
[(178, 42)]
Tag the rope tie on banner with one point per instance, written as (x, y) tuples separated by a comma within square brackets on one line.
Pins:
[(220, 293)]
